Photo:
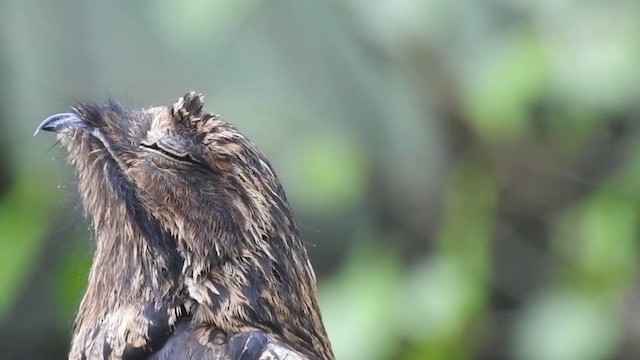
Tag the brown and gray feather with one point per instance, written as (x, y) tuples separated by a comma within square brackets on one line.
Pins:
[(198, 255)]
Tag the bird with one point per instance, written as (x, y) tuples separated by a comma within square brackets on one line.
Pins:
[(198, 254)]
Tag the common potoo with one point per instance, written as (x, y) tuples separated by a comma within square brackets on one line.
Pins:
[(198, 255)]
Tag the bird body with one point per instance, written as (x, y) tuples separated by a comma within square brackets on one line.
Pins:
[(198, 255)]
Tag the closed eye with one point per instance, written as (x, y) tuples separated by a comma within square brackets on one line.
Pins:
[(170, 153)]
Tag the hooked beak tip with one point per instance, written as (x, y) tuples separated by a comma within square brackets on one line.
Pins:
[(60, 121)]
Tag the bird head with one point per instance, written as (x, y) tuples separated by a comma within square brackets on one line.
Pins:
[(194, 173)]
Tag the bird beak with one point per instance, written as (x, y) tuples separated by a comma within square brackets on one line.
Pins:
[(61, 121)]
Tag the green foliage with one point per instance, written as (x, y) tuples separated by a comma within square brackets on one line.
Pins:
[(361, 304), (567, 325), (331, 165), (71, 279), (21, 238), (503, 86)]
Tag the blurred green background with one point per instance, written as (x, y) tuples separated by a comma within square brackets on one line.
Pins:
[(467, 173)]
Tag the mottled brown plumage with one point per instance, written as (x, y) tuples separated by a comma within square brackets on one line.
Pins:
[(198, 255)]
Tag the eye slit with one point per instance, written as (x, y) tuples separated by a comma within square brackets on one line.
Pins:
[(168, 152)]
